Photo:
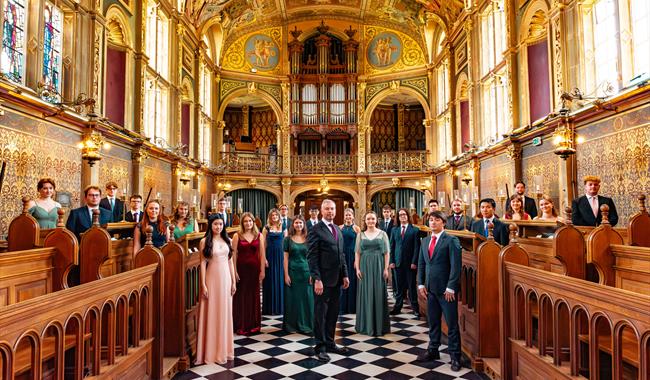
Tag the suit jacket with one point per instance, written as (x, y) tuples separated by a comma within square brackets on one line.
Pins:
[(325, 255), (130, 216), (582, 214), (309, 225), (116, 213), (465, 222), (382, 226), (404, 251), (79, 220), (228, 219), (501, 233), (442, 271)]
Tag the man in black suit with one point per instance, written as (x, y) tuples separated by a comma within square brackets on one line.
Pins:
[(221, 210), (404, 248), (586, 209), (313, 217), (284, 216), (112, 203), (439, 266), (80, 219), (500, 231), (134, 214), (457, 221), (386, 224), (327, 268), (530, 207)]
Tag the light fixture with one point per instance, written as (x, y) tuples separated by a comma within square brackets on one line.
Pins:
[(91, 147), (185, 175), (565, 140), (467, 178)]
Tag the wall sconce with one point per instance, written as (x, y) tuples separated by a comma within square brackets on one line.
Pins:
[(224, 185), (565, 141), (186, 176), (467, 178), (91, 147)]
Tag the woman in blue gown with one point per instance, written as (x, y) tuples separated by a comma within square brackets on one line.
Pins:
[(273, 287), (350, 231)]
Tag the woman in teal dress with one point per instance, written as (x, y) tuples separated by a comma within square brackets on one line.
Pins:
[(154, 218), (182, 220), (273, 286), (371, 264), (45, 209), (350, 231), (298, 292)]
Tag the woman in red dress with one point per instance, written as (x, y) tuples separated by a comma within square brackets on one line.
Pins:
[(249, 259)]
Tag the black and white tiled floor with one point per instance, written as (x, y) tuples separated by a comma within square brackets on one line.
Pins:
[(275, 354)]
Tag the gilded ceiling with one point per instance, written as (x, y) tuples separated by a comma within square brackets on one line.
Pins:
[(235, 15)]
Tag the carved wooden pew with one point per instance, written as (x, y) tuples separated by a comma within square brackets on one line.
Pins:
[(639, 225), (59, 334), (34, 272), (580, 328), (191, 267), (24, 231)]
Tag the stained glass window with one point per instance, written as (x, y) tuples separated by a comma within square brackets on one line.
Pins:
[(52, 44), (12, 60)]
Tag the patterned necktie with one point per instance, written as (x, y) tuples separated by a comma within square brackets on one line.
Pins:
[(403, 230), (487, 221), (336, 238), (432, 246)]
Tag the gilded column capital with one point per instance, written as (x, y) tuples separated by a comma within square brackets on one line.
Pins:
[(286, 181), (428, 123), (180, 29), (139, 154), (361, 181), (221, 124), (514, 152)]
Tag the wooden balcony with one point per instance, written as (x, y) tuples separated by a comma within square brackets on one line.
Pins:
[(398, 162)]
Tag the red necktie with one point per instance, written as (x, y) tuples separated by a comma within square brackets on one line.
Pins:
[(403, 229), (336, 238), (432, 246)]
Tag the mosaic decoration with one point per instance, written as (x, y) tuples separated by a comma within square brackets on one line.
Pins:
[(156, 176), (274, 90), (538, 162), (12, 57), (258, 51), (496, 172), (373, 89), (34, 150), (382, 49), (116, 166), (618, 151)]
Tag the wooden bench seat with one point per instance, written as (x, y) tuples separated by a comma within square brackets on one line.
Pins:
[(629, 345), (22, 360)]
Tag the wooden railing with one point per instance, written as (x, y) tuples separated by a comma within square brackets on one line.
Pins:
[(396, 162), (323, 163), (241, 162)]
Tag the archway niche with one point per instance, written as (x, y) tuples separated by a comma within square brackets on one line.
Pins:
[(305, 200)]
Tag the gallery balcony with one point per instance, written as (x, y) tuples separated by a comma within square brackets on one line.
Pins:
[(398, 162), (249, 163), (323, 164)]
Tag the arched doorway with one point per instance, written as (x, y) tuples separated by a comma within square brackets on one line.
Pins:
[(250, 125), (256, 201), (304, 201)]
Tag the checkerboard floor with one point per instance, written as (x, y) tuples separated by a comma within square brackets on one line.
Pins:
[(275, 354)]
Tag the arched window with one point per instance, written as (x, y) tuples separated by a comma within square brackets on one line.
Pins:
[(12, 61), (156, 121), (52, 48), (640, 20), (205, 121)]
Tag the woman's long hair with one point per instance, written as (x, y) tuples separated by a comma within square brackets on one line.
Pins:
[(162, 225), (364, 227), (292, 230), (207, 249), (549, 200), (510, 211), (176, 217), (254, 230), (278, 224)]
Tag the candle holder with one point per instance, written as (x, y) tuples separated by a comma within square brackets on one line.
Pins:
[(502, 198), (123, 198)]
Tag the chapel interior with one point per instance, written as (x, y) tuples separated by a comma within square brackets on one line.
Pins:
[(289, 102)]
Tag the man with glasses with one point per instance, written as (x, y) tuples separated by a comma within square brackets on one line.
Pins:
[(135, 213), (112, 203), (81, 219)]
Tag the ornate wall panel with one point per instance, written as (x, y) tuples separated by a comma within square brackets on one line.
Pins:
[(33, 150), (443, 183), (259, 50), (234, 120), (414, 138), (116, 166), (496, 172), (383, 136), (419, 84), (157, 175), (540, 162), (618, 151), (390, 51), (263, 122)]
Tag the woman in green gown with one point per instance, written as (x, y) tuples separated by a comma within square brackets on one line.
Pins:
[(371, 264), (298, 292), (184, 223), (45, 209)]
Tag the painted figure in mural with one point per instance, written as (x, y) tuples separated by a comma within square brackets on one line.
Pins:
[(263, 52), (384, 50)]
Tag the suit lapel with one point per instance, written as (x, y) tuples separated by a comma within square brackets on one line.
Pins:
[(586, 209)]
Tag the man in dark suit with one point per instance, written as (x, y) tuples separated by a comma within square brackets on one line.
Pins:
[(530, 206), (586, 209), (134, 214), (313, 217), (386, 224), (457, 221), (500, 231), (439, 266), (221, 210), (80, 219), (284, 216), (327, 268), (433, 206), (404, 248), (112, 203)]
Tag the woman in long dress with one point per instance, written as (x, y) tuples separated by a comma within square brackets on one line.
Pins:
[(248, 258), (216, 343), (273, 288), (371, 264), (349, 231), (298, 292), (45, 209)]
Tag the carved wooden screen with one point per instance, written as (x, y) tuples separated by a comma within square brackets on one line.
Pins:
[(264, 124), (384, 130), (414, 138), (234, 119)]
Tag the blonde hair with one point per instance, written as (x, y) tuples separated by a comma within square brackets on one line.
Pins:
[(241, 223), (364, 227), (549, 200), (268, 218), (590, 178)]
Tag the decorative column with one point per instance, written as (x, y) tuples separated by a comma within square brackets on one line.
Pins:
[(245, 125), (471, 84), (430, 142), (451, 104), (140, 63), (363, 136), (218, 127), (514, 153), (556, 34), (196, 110), (138, 157), (284, 129), (362, 183), (400, 127), (511, 62), (286, 194), (180, 30)]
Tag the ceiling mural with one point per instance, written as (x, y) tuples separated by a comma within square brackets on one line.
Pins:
[(257, 51), (390, 51)]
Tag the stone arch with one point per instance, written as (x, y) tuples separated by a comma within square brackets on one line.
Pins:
[(370, 107), (275, 106), (302, 189), (269, 189), (533, 23), (187, 90), (374, 190), (117, 26)]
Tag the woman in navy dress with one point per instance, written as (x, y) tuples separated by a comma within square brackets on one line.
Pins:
[(350, 231), (273, 287)]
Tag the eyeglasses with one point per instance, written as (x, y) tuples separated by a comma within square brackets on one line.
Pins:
[(94, 195)]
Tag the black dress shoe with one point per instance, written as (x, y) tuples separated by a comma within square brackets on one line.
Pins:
[(323, 357), (428, 356), (395, 312), (338, 350), (455, 365)]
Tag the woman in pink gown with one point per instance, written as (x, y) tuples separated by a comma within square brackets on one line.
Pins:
[(215, 335)]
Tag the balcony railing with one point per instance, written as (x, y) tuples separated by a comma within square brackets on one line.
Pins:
[(396, 162), (323, 164), (242, 162)]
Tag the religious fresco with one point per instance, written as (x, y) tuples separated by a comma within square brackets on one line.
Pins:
[(384, 50), (390, 51), (259, 51)]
